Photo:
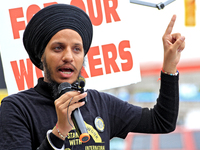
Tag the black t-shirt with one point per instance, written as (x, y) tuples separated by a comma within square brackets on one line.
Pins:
[(32, 113), (26, 117)]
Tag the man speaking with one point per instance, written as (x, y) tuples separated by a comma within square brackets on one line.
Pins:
[(57, 39)]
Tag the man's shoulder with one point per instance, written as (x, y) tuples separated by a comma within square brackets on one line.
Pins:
[(97, 93), (21, 95), (101, 96)]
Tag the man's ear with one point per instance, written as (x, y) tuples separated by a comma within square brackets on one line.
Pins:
[(42, 58), (42, 62)]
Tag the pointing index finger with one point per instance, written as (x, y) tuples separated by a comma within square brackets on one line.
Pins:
[(171, 25)]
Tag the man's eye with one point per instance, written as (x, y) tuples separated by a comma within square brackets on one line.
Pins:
[(77, 49), (58, 48)]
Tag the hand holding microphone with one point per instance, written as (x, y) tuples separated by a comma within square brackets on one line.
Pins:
[(74, 98)]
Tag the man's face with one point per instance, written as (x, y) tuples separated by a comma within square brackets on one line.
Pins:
[(63, 55)]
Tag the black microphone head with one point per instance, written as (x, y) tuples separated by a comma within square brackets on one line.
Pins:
[(63, 88), (81, 81), (82, 84)]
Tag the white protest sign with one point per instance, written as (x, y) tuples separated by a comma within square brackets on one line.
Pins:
[(111, 60)]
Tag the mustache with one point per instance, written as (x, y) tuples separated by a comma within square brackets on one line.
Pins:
[(67, 63)]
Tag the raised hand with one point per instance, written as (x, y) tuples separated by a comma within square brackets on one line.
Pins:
[(173, 45)]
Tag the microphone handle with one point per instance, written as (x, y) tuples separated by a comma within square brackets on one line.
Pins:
[(80, 126)]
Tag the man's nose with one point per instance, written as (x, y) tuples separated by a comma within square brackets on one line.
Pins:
[(67, 55)]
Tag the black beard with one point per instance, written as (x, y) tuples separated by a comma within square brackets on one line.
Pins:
[(53, 84)]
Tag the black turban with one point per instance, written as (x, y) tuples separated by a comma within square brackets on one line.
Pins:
[(48, 21)]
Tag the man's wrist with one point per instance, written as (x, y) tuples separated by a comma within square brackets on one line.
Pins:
[(58, 133), (170, 73)]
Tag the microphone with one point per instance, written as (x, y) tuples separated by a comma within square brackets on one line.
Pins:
[(76, 114), (81, 84)]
